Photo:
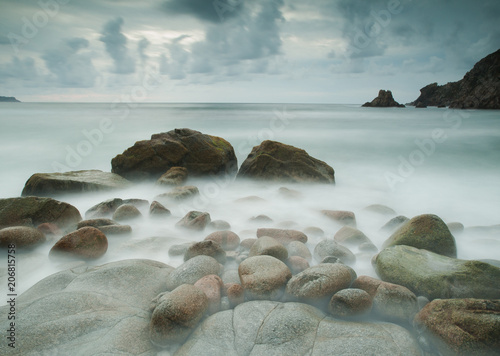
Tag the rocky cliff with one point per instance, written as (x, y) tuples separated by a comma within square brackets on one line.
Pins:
[(8, 99), (479, 89)]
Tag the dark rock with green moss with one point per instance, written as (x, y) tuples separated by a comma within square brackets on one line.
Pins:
[(426, 232), (52, 184), (461, 326), (200, 154), (436, 276), (276, 161)]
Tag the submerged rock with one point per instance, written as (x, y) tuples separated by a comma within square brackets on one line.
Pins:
[(341, 217), (21, 237), (194, 220), (179, 193), (174, 176), (126, 212), (50, 184), (276, 161), (327, 248), (437, 276), (269, 246), (206, 248), (228, 240), (282, 235), (351, 236), (87, 242), (192, 270), (158, 210), (200, 154)]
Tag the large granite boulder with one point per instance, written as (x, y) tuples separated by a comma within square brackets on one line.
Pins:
[(33, 211), (88, 311), (383, 100), (51, 184), (200, 154), (436, 276), (461, 326), (276, 161), (262, 328), (427, 232)]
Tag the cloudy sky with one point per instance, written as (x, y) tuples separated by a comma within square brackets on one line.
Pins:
[(313, 51)]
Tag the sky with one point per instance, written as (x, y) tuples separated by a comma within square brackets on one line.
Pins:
[(244, 51)]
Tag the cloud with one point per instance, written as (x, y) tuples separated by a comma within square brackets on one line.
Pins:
[(70, 67), (116, 46), (206, 10), (141, 48), (19, 68)]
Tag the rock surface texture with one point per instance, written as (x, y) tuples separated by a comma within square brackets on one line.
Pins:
[(383, 100)]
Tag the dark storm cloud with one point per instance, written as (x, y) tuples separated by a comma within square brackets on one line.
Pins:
[(70, 67), (116, 46), (206, 10)]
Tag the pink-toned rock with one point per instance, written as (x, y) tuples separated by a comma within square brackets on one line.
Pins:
[(194, 220), (227, 239), (49, 229), (235, 293), (87, 243), (350, 302), (21, 236), (342, 217), (297, 264), (211, 286), (282, 235)]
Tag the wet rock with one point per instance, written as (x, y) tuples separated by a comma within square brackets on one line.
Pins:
[(395, 223), (461, 326), (426, 232), (269, 246), (351, 236), (437, 276), (178, 194), (158, 210), (341, 217), (297, 248), (33, 211), (115, 229), (328, 247), (206, 248), (289, 193), (247, 244), (100, 310), (177, 314), (317, 284), (297, 264), (200, 154), (219, 225), (279, 162), (330, 259), (95, 223), (211, 285), (21, 236), (104, 209), (235, 293), (49, 229), (126, 212), (350, 302), (87, 242), (282, 235), (51, 184), (383, 100), (263, 277), (380, 209), (194, 220), (192, 270), (174, 176), (228, 240)]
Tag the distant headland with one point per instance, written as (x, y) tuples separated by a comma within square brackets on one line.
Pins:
[(8, 99)]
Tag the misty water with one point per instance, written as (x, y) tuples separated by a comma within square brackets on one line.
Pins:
[(416, 161)]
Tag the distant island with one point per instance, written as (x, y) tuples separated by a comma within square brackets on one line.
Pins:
[(479, 88), (383, 100), (8, 99)]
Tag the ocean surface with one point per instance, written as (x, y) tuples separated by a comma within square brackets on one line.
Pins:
[(416, 161)]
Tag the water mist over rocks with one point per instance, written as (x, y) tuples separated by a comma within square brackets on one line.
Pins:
[(327, 291)]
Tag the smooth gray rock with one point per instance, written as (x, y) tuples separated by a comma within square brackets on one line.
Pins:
[(269, 246), (329, 247), (192, 270)]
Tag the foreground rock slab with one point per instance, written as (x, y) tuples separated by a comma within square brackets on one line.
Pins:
[(50, 184), (89, 311), (436, 276), (262, 328)]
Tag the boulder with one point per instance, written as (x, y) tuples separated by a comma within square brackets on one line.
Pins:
[(116, 229), (327, 247), (104, 209), (100, 310), (194, 220), (282, 235), (192, 270), (263, 277), (297, 248), (317, 284), (211, 285), (351, 236), (177, 314), (174, 176), (228, 240), (350, 302), (87, 242), (383, 100), (51, 184), (21, 236), (341, 217), (297, 264), (395, 223), (158, 210), (436, 276), (262, 328), (200, 154), (33, 211), (461, 326), (276, 161), (126, 212), (219, 225), (268, 246), (96, 222), (426, 232), (206, 248)]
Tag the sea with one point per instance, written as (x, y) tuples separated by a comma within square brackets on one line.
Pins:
[(415, 161)]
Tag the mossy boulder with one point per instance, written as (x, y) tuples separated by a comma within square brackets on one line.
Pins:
[(436, 276), (276, 161), (200, 154), (426, 232)]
